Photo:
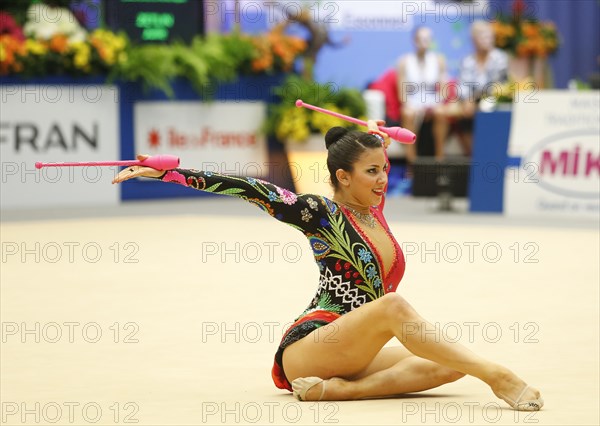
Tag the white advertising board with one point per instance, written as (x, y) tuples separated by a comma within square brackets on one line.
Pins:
[(555, 139), (58, 123), (215, 136)]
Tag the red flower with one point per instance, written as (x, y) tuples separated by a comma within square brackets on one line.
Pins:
[(518, 7), (9, 26)]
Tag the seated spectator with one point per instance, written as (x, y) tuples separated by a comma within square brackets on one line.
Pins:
[(479, 72), (420, 75)]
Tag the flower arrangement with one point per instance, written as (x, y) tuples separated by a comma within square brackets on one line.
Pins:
[(290, 123), (525, 36), (512, 90), (65, 48), (276, 51), (59, 55), (216, 57), (55, 44)]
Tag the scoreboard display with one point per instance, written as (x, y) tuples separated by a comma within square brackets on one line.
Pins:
[(156, 21)]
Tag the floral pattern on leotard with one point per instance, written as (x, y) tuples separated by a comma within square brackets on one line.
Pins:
[(350, 271)]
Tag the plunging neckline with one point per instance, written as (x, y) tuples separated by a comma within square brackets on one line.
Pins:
[(370, 244)]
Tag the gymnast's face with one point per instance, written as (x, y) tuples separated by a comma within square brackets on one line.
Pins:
[(364, 185)]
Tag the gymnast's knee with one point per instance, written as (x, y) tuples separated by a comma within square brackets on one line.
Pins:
[(394, 306)]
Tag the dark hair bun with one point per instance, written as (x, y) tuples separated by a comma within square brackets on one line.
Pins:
[(333, 135)]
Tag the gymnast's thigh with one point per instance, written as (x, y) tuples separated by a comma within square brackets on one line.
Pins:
[(341, 348)]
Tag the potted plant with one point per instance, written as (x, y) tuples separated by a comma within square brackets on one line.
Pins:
[(302, 130), (292, 125)]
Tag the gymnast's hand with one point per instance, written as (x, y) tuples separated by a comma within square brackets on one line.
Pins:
[(137, 171), (373, 126)]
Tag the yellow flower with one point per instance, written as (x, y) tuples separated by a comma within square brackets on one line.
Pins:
[(122, 58), (119, 43), (82, 55), (108, 45), (511, 90), (35, 47), (324, 122), (77, 46), (108, 55), (293, 125), (109, 38), (81, 61)]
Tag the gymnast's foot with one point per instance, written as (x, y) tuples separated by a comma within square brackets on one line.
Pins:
[(316, 389), (516, 393)]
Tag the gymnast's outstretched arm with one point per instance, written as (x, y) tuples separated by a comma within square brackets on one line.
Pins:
[(303, 212)]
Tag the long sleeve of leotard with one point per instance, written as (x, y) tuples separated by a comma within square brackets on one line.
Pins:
[(304, 212)]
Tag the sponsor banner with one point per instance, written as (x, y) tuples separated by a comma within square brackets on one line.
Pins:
[(58, 123), (554, 156), (218, 136), (398, 15), (375, 15)]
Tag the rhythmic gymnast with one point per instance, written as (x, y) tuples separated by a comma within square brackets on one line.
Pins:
[(335, 349)]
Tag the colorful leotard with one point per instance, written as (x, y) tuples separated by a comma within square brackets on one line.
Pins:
[(351, 271)]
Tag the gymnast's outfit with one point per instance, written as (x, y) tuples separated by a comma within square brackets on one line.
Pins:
[(351, 271)]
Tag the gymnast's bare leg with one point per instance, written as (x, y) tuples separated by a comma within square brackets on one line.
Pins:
[(350, 353)]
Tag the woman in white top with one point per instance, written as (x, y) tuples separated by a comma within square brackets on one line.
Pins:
[(420, 75)]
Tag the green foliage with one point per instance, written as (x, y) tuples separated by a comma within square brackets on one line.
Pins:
[(205, 61), (215, 58), (154, 65), (239, 49), (352, 100), (190, 66), (288, 122)]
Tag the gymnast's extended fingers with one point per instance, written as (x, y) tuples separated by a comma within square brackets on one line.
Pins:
[(133, 172), (386, 139), (125, 174), (373, 126)]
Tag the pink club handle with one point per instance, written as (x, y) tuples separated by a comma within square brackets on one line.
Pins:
[(161, 162), (397, 133), (157, 162)]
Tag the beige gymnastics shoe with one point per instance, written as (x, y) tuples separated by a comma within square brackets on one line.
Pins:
[(303, 384), (529, 405)]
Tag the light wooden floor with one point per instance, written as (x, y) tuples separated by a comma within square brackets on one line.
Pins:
[(191, 307)]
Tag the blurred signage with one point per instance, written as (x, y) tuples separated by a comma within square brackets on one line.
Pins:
[(58, 123), (554, 151), (219, 136), (156, 21)]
